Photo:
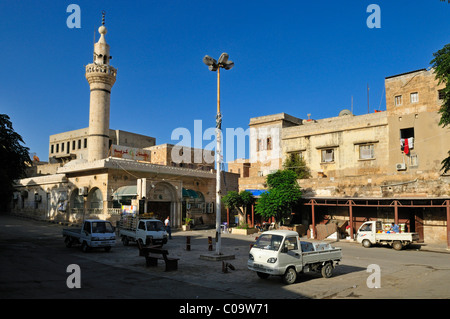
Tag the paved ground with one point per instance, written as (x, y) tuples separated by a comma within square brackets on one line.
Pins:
[(418, 272)]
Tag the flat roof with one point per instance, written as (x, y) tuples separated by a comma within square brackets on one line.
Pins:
[(393, 76)]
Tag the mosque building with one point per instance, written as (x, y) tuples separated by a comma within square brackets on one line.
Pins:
[(100, 172)]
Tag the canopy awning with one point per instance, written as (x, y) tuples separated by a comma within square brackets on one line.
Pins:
[(190, 193), (256, 192), (126, 191)]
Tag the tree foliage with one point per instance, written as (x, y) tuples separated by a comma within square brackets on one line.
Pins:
[(238, 201), (13, 159), (441, 65), (283, 194), (298, 165)]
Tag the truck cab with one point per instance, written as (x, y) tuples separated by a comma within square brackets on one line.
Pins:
[(367, 231), (94, 233), (146, 231)]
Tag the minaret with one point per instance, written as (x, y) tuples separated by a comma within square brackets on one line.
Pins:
[(101, 77)]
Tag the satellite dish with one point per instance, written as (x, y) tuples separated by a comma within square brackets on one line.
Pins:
[(345, 112)]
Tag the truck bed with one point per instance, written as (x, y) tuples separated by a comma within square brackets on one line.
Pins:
[(312, 257), (397, 236), (71, 232)]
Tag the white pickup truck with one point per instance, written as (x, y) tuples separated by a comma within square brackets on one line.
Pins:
[(94, 233), (371, 233), (281, 253), (144, 230)]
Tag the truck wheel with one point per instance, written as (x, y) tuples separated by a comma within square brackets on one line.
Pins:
[(68, 242), (84, 247), (397, 245), (327, 270), (262, 275), (290, 276), (366, 243)]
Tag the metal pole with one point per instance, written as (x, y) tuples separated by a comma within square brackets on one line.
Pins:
[(447, 205), (218, 162)]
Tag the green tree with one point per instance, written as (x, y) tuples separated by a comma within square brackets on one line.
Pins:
[(14, 159), (441, 65), (298, 165), (283, 194), (239, 202)]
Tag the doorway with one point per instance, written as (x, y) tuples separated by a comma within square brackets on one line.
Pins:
[(416, 222), (160, 209)]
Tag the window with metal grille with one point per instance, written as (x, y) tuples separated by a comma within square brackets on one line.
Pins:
[(328, 155), (366, 152)]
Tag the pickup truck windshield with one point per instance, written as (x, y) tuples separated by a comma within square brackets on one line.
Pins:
[(269, 242), (155, 225), (102, 227)]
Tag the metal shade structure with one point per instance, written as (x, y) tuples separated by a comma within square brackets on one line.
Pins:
[(214, 65)]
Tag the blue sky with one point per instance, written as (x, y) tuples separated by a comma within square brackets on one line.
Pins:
[(296, 57)]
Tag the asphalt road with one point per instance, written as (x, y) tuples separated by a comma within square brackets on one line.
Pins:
[(34, 260)]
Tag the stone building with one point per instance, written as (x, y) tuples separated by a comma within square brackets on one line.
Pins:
[(101, 172), (379, 166)]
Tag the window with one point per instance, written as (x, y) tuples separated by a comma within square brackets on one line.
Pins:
[(413, 160), (328, 155), (269, 143), (290, 243), (57, 148), (85, 142), (441, 94), (414, 97), (68, 148), (269, 242), (52, 149), (366, 227), (87, 227), (366, 152), (407, 132), (62, 147), (398, 100), (79, 144), (73, 145), (259, 145)]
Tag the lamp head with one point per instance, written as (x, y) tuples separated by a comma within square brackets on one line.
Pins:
[(209, 61), (228, 65), (223, 58)]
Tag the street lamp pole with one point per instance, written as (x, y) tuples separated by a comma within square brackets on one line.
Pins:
[(213, 65), (218, 169)]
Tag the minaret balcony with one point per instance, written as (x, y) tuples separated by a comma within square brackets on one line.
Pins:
[(101, 73), (99, 68)]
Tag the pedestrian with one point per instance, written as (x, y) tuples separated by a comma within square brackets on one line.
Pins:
[(167, 224)]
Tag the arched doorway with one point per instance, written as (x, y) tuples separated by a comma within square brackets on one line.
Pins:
[(95, 201), (162, 201)]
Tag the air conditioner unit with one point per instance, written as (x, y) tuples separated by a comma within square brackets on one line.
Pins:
[(400, 166), (82, 191)]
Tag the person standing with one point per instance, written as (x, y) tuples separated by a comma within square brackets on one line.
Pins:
[(167, 224)]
